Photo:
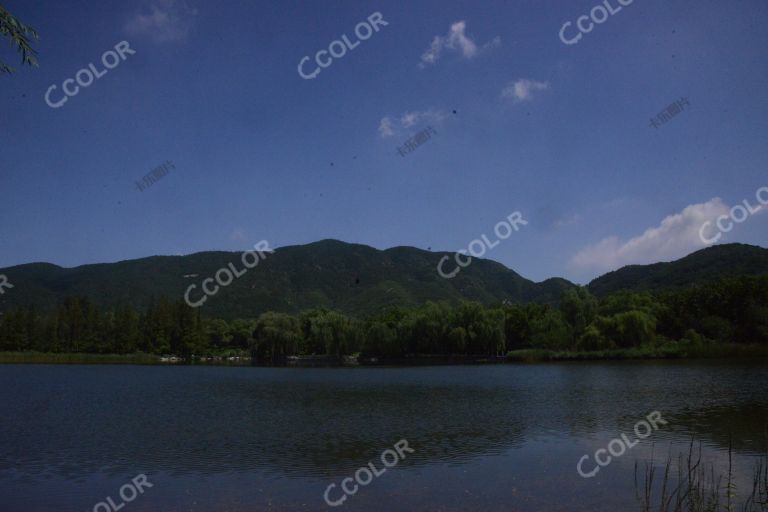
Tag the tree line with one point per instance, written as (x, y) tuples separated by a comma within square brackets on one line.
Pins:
[(732, 310)]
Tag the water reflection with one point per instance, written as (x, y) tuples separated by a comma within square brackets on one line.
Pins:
[(74, 422)]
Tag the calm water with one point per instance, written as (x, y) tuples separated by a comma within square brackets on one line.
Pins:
[(250, 439)]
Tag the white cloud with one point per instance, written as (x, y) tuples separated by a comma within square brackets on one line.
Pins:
[(165, 21), (457, 40), (425, 116), (388, 128), (523, 89), (675, 237), (409, 119), (430, 56), (385, 127)]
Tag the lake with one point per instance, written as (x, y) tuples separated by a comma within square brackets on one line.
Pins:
[(492, 438)]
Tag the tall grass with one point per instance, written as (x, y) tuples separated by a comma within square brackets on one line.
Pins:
[(690, 486), (67, 358), (666, 351)]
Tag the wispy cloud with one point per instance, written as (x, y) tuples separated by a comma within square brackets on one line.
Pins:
[(493, 43), (567, 221), (424, 116), (456, 40), (389, 128), (523, 89), (675, 237), (163, 21), (385, 127)]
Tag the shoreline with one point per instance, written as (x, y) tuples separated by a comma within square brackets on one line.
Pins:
[(524, 356)]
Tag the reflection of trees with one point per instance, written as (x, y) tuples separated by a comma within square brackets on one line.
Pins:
[(309, 428), (700, 399), (746, 423), (74, 422)]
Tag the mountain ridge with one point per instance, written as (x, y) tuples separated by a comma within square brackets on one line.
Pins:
[(353, 278)]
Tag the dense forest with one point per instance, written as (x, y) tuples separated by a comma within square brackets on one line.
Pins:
[(731, 310)]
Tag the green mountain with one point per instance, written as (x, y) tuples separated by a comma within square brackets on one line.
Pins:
[(356, 279), (697, 268)]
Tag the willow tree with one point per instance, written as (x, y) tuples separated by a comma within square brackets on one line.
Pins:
[(20, 37)]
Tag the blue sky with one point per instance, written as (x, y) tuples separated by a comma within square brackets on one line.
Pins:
[(558, 132)]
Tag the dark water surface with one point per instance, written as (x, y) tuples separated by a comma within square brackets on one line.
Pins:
[(489, 438)]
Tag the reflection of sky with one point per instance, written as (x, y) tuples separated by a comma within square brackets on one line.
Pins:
[(540, 475), (478, 431)]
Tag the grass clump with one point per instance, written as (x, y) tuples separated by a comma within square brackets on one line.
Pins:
[(690, 486)]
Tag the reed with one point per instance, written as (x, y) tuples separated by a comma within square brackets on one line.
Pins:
[(78, 358), (690, 486)]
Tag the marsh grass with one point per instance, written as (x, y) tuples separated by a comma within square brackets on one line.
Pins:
[(690, 486), (666, 351), (67, 358)]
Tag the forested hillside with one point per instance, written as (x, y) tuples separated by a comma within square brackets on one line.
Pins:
[(732, 310), (351, 278)]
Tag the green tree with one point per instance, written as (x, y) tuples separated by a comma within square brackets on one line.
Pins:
[(313, 342), (381, 339), (484, 328), (426, 329), (335, 330), (188, 336), (457, 340), (275, 336), (20, 36), (550, 331), (579, 309), (218, 333), (635, 328), (240, 332), (127, 333), (593, 339)]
